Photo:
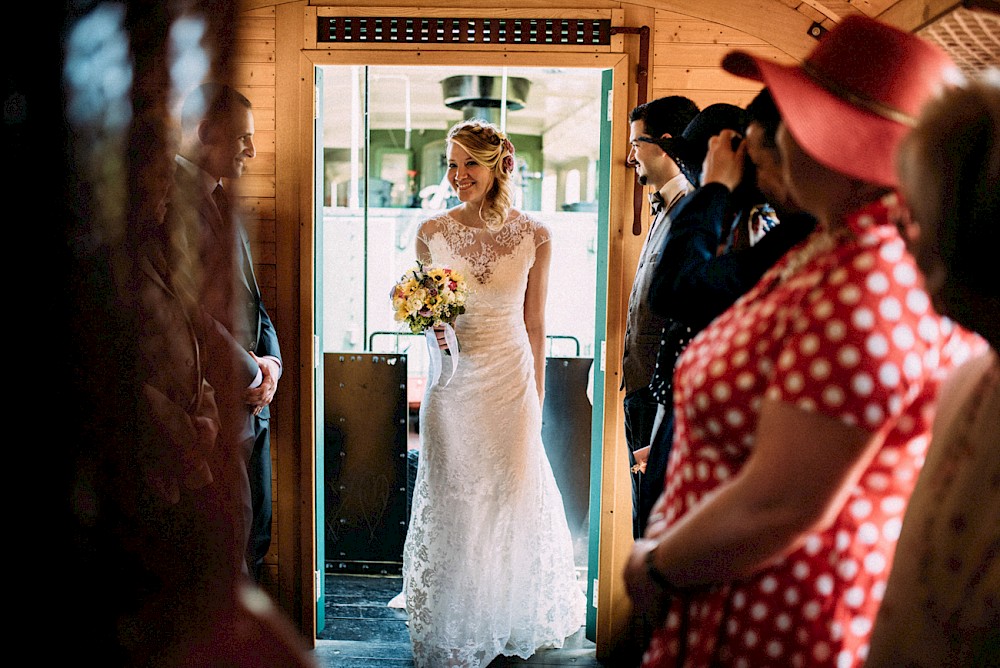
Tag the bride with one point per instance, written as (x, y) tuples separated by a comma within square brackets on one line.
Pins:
[(488, 561)]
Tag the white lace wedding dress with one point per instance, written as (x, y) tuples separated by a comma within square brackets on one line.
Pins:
[(488, 562)]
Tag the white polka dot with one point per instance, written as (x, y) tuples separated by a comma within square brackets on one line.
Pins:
[(878, 590), (812, 544), (714, 427), (824, 584), (891, 309), (836, 631), (769, 584), (740, 357), (786, 360), (718, 368), (888, 375), (892, 251), (874, 414), (862, 384), (891, 528), (902, 336), (847, 569), (750, 638), (809, 344), (734, 418), (742, 338), (820, 368), (863, 318), (838, 276), (861, 626), (721, 392), (861, 509), (876, 481), (798, 660), (874, 563), (904, 274), (848, 356), (917, 301), (892, 505), (744, 381), (854, 597), (794, 382), (833, 396), (835, 330), (806, 404), (877, 282), (864, 262), (774, 649), (928, 329), (721, 473), (758, 611), (844, 659), (849, 295), (823, 309), (783, 622), (912, 366), (702, 401), (739, 600), (702, 471), (800, 570), (877, 345), (843, 541)]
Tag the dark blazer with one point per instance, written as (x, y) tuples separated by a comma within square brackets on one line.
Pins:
[(229, 291), (643, 325)]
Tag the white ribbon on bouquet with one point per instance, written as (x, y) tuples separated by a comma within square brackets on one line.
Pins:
[(434, 353)]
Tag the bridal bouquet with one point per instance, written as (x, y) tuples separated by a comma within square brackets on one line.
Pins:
[(429, 296)]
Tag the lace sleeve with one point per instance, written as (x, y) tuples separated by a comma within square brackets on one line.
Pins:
[(542, 233)]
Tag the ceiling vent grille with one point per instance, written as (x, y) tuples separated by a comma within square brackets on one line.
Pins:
[(388, 30)]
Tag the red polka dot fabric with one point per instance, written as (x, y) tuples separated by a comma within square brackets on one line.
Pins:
[(851, 334)]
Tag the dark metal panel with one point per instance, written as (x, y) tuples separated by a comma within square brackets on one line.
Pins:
[(366, 508)]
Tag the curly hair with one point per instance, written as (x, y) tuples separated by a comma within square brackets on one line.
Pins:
[(489, 147)]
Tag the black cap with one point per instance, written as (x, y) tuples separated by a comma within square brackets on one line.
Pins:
[(689, 150)]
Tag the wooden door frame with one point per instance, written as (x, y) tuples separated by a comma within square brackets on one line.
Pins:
[(295, 126)]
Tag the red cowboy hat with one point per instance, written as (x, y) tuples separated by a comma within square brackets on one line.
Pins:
[(856, 95)]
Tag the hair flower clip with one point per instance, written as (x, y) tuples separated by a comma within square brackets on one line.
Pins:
[(508, 163), (508, 146)]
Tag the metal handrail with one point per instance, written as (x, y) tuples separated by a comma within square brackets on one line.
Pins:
[(550, 338)]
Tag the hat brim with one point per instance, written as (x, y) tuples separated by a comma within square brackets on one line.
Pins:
[(831, 130)]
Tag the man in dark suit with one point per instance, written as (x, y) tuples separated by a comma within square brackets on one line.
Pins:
[(661, 118), (217, 140)]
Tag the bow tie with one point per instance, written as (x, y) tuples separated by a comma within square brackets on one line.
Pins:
[(656, 204)]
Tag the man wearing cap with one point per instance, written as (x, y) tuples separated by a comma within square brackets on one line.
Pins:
[(661, 118), (807, 404), (692, 282)]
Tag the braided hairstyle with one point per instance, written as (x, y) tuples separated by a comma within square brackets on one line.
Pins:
[(488, 146)]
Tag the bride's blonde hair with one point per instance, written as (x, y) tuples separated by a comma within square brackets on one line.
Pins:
[(489, 147)]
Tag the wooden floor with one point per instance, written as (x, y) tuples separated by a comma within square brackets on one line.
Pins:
[(361, 631)]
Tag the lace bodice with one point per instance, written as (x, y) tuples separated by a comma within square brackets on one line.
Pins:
[(480, 248)]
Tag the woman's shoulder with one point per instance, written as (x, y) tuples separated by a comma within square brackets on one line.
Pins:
[(529, 224), (435, 223)]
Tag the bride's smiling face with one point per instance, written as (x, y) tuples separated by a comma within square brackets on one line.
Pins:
[(469, 179)]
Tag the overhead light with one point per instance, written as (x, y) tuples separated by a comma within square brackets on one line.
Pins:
[(816, 30)]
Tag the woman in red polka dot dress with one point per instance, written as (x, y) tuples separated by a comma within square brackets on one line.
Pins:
[(804, 411)]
